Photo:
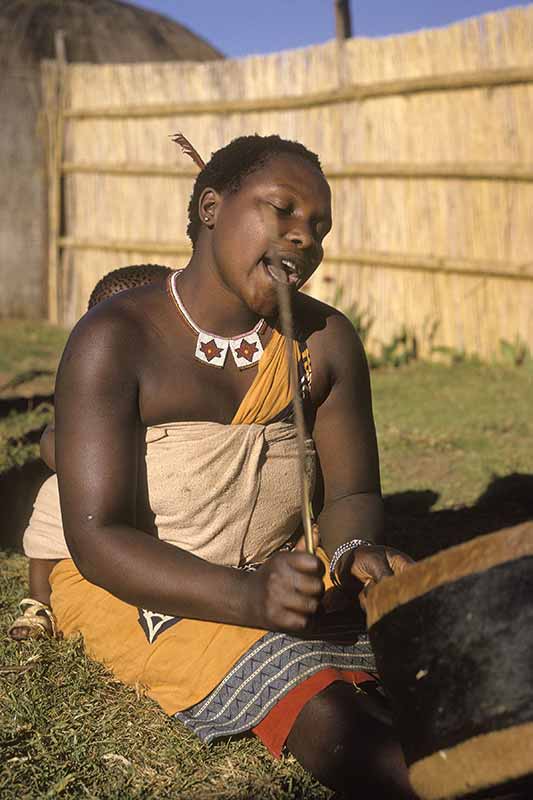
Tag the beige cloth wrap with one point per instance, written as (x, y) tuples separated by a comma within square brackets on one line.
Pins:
[(230, 494), (43, 538)]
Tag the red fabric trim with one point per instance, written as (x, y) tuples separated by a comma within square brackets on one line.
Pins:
[(276, 726)]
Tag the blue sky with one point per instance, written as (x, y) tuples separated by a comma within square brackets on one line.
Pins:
[(243, 27)]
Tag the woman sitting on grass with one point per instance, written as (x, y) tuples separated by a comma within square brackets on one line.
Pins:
[(177, 465)]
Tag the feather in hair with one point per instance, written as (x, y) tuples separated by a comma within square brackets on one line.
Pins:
[(188, 149)]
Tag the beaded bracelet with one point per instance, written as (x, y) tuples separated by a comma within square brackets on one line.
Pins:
[(339, 552)]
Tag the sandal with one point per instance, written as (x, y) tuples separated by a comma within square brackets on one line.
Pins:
[(36, 621)]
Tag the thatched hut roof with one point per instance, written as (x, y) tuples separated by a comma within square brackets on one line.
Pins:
[(98, 31)]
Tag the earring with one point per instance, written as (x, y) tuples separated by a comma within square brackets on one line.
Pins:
[(206, 219)]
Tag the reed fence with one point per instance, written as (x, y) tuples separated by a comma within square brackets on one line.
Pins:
[(425, 139)]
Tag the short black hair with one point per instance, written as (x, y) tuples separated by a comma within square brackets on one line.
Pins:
[(126, 278), (229, 165)]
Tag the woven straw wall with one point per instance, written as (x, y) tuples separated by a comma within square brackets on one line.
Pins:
[(432, 184)]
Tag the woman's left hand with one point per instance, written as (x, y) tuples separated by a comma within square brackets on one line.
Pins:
[(371, 563)]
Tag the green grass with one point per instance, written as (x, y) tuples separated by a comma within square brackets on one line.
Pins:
[(452, 429), (19, 436), (29, 355), (69, 730)]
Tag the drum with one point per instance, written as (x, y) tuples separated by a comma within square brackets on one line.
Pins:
[(453, 639)]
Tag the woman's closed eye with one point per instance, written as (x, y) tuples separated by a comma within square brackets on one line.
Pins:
[(320, 226), (283, 210)]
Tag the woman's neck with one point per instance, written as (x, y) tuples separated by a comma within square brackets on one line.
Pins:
[(210, 303)]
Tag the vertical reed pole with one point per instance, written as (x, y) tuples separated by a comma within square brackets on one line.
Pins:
[(343, 30), (49, 83), (343, 19), (55, 158)]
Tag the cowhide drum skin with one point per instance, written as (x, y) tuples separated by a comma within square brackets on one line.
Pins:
[(453, 638)]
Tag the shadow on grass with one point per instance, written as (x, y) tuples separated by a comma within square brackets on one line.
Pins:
[(412, 525), (23, 404), (18, 490)]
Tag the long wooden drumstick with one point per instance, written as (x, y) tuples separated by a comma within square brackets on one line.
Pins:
[(287, 328)]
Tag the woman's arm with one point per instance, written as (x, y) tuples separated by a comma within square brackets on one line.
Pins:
[(97, 431), (345, 436)]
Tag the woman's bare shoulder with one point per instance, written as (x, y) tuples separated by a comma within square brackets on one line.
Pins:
[(109, 336), (335, 346), (324, 323), (118, 323)]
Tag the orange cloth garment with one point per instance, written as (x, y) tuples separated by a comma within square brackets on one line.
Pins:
[(270, 393), (187, 660), (178, 669)]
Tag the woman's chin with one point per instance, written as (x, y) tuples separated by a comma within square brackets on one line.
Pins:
[(267, 303), (263, 300), (261, 294)]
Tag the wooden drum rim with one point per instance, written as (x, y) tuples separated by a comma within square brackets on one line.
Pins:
[(478, 763)]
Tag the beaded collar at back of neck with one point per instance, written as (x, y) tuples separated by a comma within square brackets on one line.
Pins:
[(246, 348)]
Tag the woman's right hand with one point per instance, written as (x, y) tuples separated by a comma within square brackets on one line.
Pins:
[(285, 592)]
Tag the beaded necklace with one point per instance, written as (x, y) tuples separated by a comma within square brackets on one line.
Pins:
[(211, 349)]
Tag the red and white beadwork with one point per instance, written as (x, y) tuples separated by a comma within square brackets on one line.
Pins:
[(246, 348)]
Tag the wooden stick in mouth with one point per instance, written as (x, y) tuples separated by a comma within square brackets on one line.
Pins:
[(287, 327)]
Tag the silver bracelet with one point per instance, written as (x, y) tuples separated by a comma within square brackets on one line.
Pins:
[(339, 552)]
